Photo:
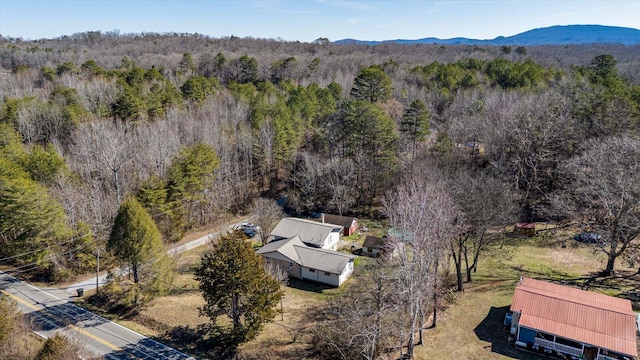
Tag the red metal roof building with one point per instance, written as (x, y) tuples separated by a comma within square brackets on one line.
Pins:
[(349, 223), (574, 323)]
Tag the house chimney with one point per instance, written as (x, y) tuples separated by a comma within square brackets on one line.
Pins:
[(322, 217)]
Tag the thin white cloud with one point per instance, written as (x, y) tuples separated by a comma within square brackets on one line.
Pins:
[(295, 12), (349, 4), (266, 4)]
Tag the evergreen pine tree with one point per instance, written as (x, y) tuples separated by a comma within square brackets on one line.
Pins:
[(136, 242), (234, 283)]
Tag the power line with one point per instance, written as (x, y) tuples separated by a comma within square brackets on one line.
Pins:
[(58, 319), (32, 265), (43, 248), (34, 251)]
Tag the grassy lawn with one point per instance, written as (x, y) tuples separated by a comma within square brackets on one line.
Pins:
[(469, 328)]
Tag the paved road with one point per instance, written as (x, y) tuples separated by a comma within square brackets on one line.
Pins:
[(99, 336), (51, 313), (90, 283), (203, 240)]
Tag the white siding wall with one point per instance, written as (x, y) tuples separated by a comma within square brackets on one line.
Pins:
[(331, 242), (328, 278), (321, 276), (310, 274), (348, 270), (370, 251), (284, 262)]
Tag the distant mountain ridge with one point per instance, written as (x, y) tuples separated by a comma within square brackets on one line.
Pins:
[(554, 35)]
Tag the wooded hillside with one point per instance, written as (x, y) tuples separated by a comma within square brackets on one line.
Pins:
[(195, 127)]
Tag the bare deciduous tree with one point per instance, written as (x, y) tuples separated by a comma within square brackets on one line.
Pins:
[(267, 212), (527, 136), (337, 178), (484, 201), (362, 322), (263, 151), (604, 194), (422, 216)]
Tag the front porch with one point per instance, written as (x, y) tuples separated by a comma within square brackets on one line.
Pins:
[(549, 344)]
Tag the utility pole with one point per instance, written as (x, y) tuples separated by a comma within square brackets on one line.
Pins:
[(97, 270)]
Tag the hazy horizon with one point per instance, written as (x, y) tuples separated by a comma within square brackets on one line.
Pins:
[(308, 20)]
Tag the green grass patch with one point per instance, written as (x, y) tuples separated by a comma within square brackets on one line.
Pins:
[(471, 328)]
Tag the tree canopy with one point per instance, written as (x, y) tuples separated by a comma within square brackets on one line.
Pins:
[(604, 194), (415, 122), (136, 243), (372, 84), (234, 283), (32, 221)]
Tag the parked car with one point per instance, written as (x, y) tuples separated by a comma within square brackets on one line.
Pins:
[(588, 237), (249, 229), (250, 234)]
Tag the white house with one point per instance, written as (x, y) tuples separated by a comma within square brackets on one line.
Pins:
[(312, 233), (309, 263)]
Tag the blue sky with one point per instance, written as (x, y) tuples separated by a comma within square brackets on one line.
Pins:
[(307, 20)]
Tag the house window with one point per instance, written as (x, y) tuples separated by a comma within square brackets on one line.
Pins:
[(568, 342), (327, 274), (312, 270)]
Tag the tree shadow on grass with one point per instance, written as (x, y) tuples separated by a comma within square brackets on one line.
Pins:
[(205, 341), (623, 285), (555, 276), (491, 330), (618, 285)]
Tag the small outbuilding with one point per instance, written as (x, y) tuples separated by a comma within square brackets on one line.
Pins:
[(348, 223), (571, 323), (374, 246)]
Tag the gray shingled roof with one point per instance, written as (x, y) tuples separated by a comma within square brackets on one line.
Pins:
[(322, 259), (314, 258), (374, 242), (344, 221), (284, 247), (310, 232)]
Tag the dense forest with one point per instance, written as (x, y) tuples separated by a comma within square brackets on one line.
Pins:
[(192, 128), (196, 126)]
